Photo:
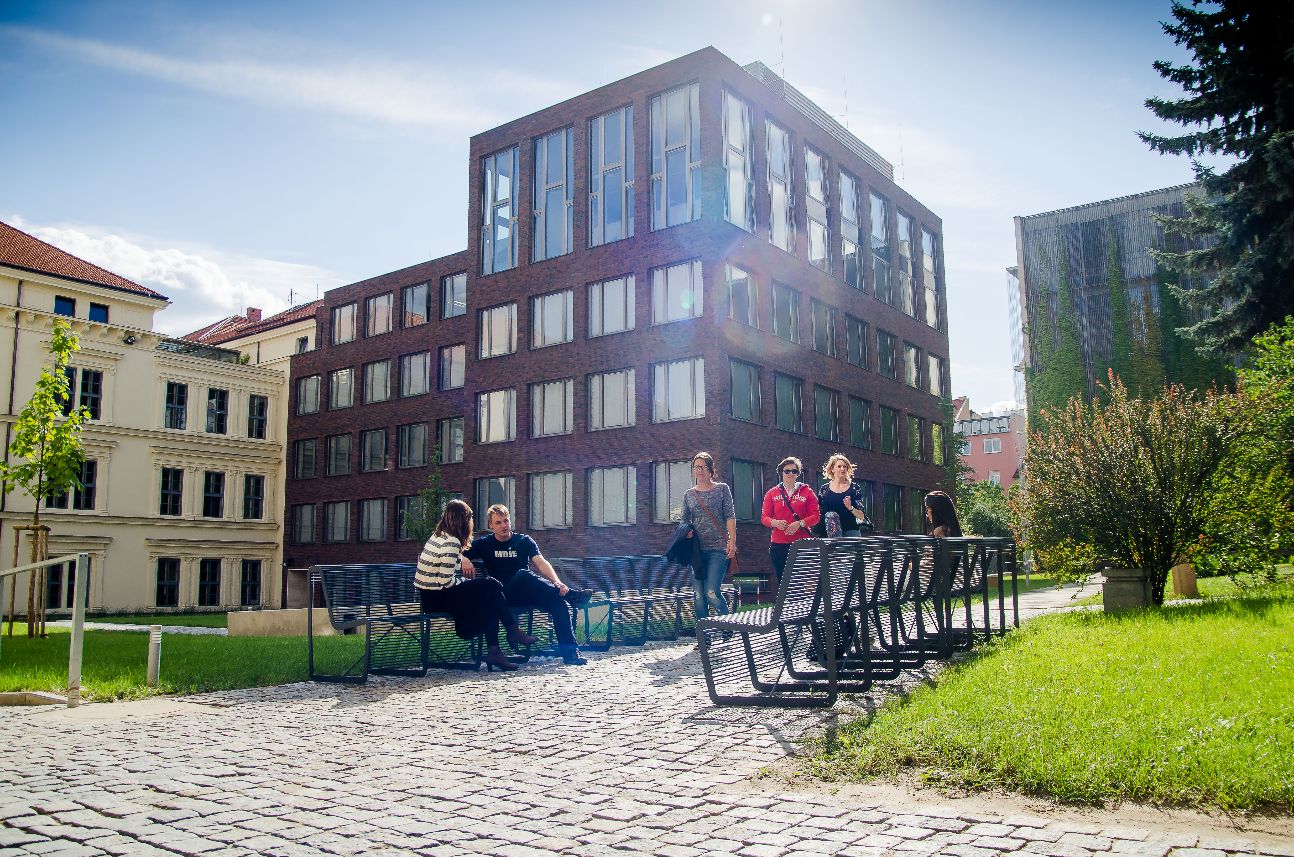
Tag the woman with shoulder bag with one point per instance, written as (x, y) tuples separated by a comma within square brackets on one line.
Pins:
[(790, 511), (709, 508), (841, 496)]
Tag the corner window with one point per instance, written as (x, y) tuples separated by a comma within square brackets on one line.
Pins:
[(499, 226), (611, 400), (613, 496), (377, 314), (781, 222), (678, 390), (611, 176), (554, 201), (497, 331), (551, 505), (676, 292), (671, 479), (453, 296), (611, 306), (552, 319), (496, 416), (343, 324), (739, 188), (676, 156), (552, 409)]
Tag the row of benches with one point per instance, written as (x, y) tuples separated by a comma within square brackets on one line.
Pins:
[(636, 599), (851, 611)]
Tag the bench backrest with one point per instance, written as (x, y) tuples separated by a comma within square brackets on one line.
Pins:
[(364, 591), (619, 575)]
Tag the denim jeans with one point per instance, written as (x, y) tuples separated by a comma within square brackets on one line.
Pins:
[(527, 589), (705, 590)]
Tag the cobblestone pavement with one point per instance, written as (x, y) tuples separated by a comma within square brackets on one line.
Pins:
[(624, 755)]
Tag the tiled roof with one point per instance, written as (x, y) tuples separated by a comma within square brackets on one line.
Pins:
[(20, 250), (238, 326)]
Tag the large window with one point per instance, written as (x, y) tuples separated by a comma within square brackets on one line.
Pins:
[(412, 440), (738, 139), (889, 431), (786, 313), (747, 489), (824, 327), (860, 422), (676, 156), (497, 331), (613, 496), (743, 299), (337, 455), (377, 314), (336, 521), (911, 365), (892, 505), (552, 319), (886, 360), (167, 591), (826, 414), (856, 341), (788, 396), (781, 216), (937, 452), (498, 212), (992, 444), (92, 393), (495, 489), (611, 306), (176, 415), (611, 400), (377, 381), (343, 324), (744, 391), (496, 416), (449, 439), (414, 371), (305, 455), (253, 497), (249, 583), (258, 416), (880, 241), (930, 278), (84, 494), (453, 366), (554, 202), (372, 520), (611, 176), (408, 509), (218, 411), (671, 480), (905, 301), (341, 388), (303, 524), (416, 301), (372, 450), (172, 496), (552, 408), (551, 505), (935, 375), (453, 296), (678, 390), (815, 195), (64, 306), (851, 233), (213, 494), (676, 292), (916, 438), (98, 312), (308, 395)]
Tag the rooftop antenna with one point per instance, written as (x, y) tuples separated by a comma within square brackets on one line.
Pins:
[(291, 298), (781, 49)]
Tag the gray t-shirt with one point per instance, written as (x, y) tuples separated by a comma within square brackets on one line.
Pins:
[(719, 501)]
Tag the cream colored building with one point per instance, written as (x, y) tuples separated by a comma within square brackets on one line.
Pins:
[(183, 497)]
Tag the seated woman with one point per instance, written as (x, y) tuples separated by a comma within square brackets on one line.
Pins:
[(476, 603), (941, 517)]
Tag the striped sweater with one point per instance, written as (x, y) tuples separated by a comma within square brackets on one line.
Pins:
[(440, 560)]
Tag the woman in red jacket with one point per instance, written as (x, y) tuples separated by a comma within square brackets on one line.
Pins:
[(791, 510)]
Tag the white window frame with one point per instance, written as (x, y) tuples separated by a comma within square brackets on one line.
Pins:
[(556, 515), (547, 395), (308, 394), (499, 210), (341, 388), (343, 324), (663, 175), (372, 520), (623, 481), (496, 416), (781, 188), (732, 276), (481, 491), (452, 371), (450, 288), (496, 331), (603, 168), (377, 381), (378, 318), (603, 323), (412, 367), (670, 480), (851, 238), (598, 416), (690, 372), (677, 292), (738, 143), (992, 445), (544, 185), (562, 306)]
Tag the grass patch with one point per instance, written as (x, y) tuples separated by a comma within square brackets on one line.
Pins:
[(1190, 705), (114, 663), (188, 620)]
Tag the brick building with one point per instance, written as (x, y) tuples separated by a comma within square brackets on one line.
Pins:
[(693, 258), (992, 445)]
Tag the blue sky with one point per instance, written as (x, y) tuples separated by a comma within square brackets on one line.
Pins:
[(230, 154)]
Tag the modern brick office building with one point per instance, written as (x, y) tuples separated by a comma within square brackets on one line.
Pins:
[(693, 258)]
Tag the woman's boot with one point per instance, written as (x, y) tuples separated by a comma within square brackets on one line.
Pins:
[(496, 659), (519, 639)]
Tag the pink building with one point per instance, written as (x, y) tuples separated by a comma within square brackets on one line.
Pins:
[(993, 445)]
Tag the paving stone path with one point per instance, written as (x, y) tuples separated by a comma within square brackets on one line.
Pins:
[(625, 755)]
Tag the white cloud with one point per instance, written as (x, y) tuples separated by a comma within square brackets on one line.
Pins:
[(362, 87), (204, 285)]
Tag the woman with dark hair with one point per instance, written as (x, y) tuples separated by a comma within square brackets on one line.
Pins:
[(709, 508), (476, 603), (941, 517), (790, 511)]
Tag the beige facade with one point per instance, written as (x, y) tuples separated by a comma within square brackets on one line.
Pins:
[(183, 507)]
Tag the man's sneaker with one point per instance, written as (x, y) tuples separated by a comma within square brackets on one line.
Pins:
[(578, 597), (571, 656)]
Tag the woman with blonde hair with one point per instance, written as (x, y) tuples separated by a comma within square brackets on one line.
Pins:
[(841, 499)]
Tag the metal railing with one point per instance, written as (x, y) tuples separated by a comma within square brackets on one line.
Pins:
[(80, 597)]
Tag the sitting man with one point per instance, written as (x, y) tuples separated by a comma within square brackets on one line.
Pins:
[(508, 557)]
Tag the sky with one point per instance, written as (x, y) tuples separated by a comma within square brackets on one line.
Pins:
[(241, 154)]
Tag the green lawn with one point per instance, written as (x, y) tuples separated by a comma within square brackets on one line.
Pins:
[(200, 620), (1190, 705)]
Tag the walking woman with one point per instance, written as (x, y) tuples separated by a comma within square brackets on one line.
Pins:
[(941, 516), (840, 496), (709, 508), (476, 603), (790, 510)]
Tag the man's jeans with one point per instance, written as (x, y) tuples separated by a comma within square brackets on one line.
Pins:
[(705, 589), (527, 589)]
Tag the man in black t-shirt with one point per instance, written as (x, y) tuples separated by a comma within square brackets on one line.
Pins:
[(509, 558)]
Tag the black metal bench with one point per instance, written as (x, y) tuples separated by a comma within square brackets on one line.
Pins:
[(635, 598)]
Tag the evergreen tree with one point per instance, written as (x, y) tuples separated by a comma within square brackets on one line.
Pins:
[(1239, 103), (1183, 363)]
